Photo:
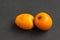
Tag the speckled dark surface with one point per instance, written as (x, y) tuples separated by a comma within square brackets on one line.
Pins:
[(9, 9)]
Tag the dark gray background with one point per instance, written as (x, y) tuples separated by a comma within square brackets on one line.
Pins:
[(9, 9)]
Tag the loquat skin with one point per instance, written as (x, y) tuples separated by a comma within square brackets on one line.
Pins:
[(24, 21), (43, 21)]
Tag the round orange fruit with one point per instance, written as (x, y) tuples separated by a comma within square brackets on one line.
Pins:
[(43, 21), (24, 21)]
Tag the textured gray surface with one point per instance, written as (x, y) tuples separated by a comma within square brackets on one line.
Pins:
[(10, 8)]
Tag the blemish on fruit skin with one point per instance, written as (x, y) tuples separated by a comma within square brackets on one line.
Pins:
[(39, 17)]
